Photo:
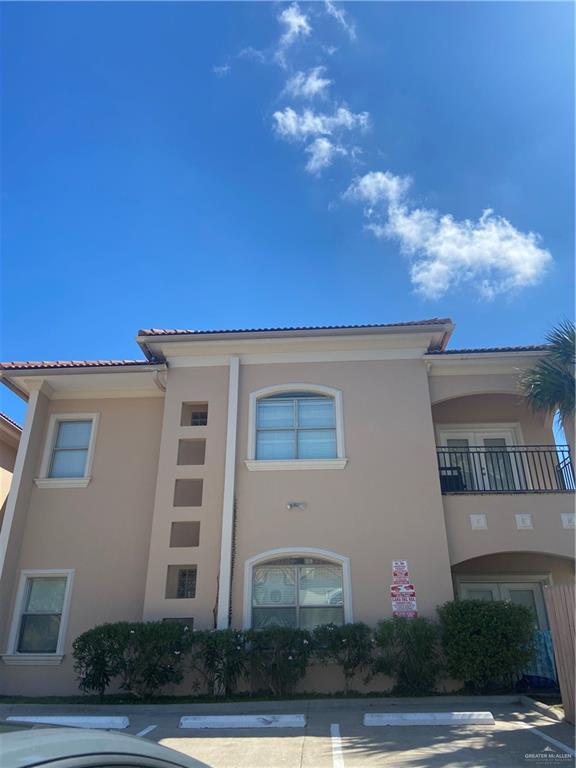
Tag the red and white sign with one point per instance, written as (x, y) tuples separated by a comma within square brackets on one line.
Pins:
[(402, 592)]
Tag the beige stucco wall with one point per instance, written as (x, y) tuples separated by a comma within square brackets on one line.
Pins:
[(203, 384), (102, 531), (548, 536), (560, 569), (493, 409), (384, 505)]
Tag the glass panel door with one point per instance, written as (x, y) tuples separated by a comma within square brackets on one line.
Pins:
[(530, 595), (479, 591), (497, 469), (460, 460)]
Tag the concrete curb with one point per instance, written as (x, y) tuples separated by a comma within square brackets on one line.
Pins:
[(270, 706), (544, 709)]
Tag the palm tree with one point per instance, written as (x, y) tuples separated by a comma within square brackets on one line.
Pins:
[(549, 386)]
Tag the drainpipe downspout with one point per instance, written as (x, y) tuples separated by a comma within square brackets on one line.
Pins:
[(225, 574)]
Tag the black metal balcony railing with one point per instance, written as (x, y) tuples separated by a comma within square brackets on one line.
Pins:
[(514, 469)]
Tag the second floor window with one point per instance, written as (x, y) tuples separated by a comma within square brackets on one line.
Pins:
[(70, 452), (297, 425)]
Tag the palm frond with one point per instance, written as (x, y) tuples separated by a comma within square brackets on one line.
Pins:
[(550, 385)]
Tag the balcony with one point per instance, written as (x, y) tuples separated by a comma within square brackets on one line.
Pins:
[(510, 469)]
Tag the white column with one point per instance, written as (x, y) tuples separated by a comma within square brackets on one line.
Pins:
[(21, 457), (224, 584)]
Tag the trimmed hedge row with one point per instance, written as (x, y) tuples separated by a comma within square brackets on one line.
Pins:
[(485, 644)]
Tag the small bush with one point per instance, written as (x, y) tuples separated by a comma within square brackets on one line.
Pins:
[(96, 654), (220, 657), (348, 645), (409, 650), (144, 657), (487, 644), (281, 656)]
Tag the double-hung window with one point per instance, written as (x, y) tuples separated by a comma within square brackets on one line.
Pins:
[(41, 609), (297, 592), (69, 450), (296, 425)]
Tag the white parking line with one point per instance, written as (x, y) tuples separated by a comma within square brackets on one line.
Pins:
[(146, 730), (547, 738), (337, 756)]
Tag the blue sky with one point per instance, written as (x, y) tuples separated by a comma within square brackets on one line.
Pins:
[(188, 165)]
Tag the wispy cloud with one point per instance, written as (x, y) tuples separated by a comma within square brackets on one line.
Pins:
[(342, 18), (322, 153), (308, 85), (489, 254), (299, 126), (296, 26), (222, 70)]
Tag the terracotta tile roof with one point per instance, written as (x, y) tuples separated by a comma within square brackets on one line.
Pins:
[(480, 350), (11, 422), (49, 364), (188, 332)]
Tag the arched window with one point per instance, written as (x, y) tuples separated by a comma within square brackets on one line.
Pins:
[(297, 589), (296, 425)]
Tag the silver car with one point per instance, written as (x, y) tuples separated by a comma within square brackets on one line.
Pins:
[(25, 746)]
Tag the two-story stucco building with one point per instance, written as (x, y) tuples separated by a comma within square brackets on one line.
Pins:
[(259, 477)]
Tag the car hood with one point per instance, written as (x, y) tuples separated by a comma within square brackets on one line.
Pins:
[(22, 749)]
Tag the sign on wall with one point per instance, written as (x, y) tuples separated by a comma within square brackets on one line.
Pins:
[(402, 592)]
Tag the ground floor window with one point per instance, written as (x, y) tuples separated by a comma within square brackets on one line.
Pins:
[(297, 592), (38, 626)]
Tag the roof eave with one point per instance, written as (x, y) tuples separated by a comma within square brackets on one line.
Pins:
[(146, 341)]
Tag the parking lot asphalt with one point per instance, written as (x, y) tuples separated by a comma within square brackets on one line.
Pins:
[(335, 736)]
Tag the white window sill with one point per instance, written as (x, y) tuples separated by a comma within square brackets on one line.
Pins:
[(62, 482), (256, 465), (32, 659)]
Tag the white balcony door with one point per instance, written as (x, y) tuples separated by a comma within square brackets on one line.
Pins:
[(522, 593), (481, 470)]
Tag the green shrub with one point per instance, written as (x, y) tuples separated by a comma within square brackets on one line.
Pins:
[(280, 655), (220, 657), (96, 654), (143, 657), (348, 645), (486, 644), (409, 650)]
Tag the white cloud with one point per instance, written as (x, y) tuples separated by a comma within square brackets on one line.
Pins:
[(308, 85), (296, 25), (290, 124), (342, 18), (489, 254), (322, 153), (378, 186), (222, 70)]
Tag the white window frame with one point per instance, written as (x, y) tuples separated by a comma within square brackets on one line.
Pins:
[(282, 552), (13, 656), (252, 463), (44, 481)]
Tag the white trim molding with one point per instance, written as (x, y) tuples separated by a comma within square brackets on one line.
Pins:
[(32, 659), (12, 656), (256, 465), (225, 573), (281, 552), (21, 456), (44, 481), (252, 463)]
